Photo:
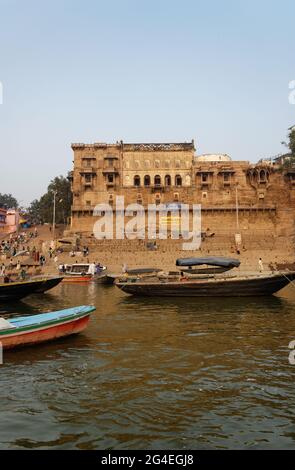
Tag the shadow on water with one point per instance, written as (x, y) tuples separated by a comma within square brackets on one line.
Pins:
[(218, 305)]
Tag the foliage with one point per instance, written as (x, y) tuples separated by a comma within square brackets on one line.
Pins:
[(7, 201), (42, 210)]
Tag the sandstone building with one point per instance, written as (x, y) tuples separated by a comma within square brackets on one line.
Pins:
[(166, 173)]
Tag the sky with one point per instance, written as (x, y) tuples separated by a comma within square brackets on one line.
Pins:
[(86, 71)]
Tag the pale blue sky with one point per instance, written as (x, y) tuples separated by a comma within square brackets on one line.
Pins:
[(146, 70)]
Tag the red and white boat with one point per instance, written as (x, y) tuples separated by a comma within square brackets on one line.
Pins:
[(83, 272)]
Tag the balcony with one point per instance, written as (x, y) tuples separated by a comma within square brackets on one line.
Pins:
[(111, 169), (89, 170), (158, 187), (111, 184)]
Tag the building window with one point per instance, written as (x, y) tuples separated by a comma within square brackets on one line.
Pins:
[(111, 199), (178, 180), (263, 176), (88, 178), (136, 180), (158, 198), (226, 177), (167, 180), (147, 180), (157, 163), (176, 197), (88, 203), (137, 164), (204, 195), (157, 180), (87, 162)]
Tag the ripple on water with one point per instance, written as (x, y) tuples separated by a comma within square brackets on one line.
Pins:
[(154, 373)]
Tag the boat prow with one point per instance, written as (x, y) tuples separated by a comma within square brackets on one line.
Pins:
[(18, 290)]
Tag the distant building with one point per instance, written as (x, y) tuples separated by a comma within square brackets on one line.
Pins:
[(12, 220), (168, 173), (2, 219)]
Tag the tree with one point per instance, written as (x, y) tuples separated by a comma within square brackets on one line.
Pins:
[(8, 201), (289, 159), (291, 136), (42, 210)]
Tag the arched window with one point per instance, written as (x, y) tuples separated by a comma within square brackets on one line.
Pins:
[(167, 180), (178, 180), (147, 180), (157, 180), (136, 180), (262, 176)]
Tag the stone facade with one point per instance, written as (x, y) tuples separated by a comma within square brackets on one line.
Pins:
[(172, 172)]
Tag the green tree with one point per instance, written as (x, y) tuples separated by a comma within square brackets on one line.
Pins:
[(8, 201), (291, 144), (42, 210), (289, 159)]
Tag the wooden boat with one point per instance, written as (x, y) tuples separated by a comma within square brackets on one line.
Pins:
[(19, 290), (23, 331), (82, 273), (210, 286)]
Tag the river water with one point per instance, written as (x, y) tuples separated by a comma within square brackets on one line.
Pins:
[(154, 374)]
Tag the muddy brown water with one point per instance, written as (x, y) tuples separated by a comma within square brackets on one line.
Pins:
[(153, 374)]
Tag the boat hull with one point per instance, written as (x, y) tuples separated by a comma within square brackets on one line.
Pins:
[(18, 290), (30, 332), (235, 287), (45, 335), (77, 279)]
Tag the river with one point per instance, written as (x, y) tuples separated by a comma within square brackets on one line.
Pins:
[(154, 374)]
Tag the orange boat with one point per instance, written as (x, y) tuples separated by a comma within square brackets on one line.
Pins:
[(22, 331), (80, 279)]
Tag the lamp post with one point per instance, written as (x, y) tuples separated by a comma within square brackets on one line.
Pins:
[(54, 207)]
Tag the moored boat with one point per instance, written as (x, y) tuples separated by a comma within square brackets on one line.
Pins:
[(22, 331), (257, 284), (83, 272), (204, 284), (18, 290)]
